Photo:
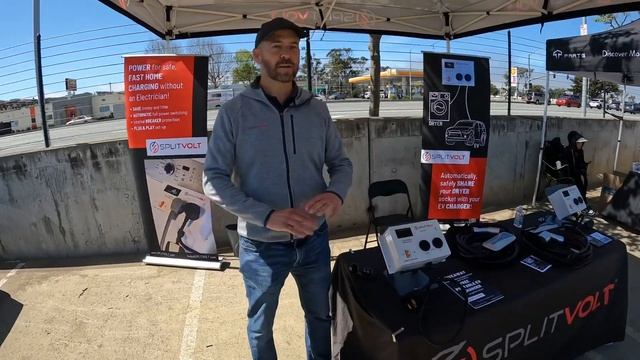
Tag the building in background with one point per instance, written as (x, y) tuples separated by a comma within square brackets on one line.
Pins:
[(108, 105), (24, 118), (396, 83), (66, 108)]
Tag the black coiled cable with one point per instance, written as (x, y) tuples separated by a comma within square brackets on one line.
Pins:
[(575, 251), (466, 243)]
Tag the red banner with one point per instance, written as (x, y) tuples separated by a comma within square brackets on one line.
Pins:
[(158, 97), (456, 190)]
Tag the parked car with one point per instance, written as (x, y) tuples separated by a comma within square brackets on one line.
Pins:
[(631, 108), (568, 101), (337, 96), (471, 132), (82, 119), (535, 98), (595, 103), (367, 95), (614, 105), (320, 97)]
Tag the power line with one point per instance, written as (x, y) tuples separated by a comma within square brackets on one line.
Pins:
[(14, 55), (88, 31), (94, 39), (17, 72), (15, 46), (96, 48)]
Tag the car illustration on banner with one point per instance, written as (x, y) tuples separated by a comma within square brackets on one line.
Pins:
[(471, 132)]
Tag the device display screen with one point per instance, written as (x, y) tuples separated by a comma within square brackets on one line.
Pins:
[(565, 193), (403, 233), (172, 190)]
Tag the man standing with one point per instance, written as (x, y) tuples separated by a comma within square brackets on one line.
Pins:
[(275, 139)]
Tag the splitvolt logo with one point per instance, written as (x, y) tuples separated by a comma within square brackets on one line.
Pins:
[(518, 339), (180, 146), (154, 147), (444, 157)]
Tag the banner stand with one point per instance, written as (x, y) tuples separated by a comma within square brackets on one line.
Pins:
[(455, 136), (186, 263), (166, 115)]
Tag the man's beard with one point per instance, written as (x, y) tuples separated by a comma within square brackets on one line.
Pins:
[(285, 77)]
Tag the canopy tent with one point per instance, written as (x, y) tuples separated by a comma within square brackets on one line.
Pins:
[(178, 19), (612, 56), (435, 19)]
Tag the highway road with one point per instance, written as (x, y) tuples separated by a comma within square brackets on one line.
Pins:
[(106, 130)]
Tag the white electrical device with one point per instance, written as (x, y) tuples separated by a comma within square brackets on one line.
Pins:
[(411, 246), (567, 201)]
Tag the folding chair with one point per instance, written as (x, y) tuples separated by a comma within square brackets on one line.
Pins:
[(382, 222), (554, 166)]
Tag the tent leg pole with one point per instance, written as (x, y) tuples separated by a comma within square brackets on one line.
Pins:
[(542, 137), (615, 160), (624, 94)]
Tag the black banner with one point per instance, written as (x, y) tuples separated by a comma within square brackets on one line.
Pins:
[(612, 55), (455, 134)]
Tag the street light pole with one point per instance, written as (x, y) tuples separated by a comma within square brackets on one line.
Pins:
[(38, 65), (585, 81)]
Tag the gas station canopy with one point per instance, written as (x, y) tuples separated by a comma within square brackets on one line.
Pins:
[(434, 19)]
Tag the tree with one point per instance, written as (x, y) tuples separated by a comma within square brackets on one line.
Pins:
[(318, 71), (342, 66), (374, 54), (537, 88), (613, 20), (160, 47), (556, 93), (220, 62), (596, 87), (494, 90), (245, 70)]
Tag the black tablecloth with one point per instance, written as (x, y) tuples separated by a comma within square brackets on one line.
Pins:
[(558, 314)]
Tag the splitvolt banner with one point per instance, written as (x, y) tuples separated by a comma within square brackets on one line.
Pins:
[(166, 104), (455, 134)]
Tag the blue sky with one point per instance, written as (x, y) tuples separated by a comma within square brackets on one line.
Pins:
[(95, 57)]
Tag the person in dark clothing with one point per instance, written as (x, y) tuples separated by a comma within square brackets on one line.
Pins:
[(574, 155)]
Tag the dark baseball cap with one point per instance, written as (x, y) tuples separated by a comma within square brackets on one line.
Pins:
[(276, 24)]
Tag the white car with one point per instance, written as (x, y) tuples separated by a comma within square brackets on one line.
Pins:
[(595, 103), (82, 119)]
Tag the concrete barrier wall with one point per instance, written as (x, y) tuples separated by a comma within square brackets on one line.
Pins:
[(72, 201), (81, 200)]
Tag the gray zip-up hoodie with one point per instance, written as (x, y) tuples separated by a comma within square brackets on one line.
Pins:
[(276, 159)]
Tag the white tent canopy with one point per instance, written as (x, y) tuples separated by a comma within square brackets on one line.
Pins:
[(436, 19)]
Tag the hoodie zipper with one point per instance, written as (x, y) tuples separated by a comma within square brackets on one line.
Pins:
[(286, 159), (293, 134)]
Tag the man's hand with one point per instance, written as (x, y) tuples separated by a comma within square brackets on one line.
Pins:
[(294, 221), (326, 204)]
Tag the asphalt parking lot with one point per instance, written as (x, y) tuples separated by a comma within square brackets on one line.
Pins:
[(118, 308)]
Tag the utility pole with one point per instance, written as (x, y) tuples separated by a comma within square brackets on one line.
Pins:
[(529, 72), (509, 72), (585, 81), (38, 61), (308, 64)]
